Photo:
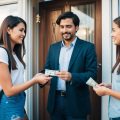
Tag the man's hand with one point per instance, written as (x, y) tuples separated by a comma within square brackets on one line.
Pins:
[(64, 75)]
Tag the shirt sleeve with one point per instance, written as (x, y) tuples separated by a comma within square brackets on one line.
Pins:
[(3, 56)]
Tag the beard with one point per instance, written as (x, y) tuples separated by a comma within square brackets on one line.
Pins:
[(67, 36)]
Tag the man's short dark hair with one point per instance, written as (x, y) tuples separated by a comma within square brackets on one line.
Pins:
[(69, 14)]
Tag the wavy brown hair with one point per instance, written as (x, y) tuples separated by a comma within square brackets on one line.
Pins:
[(19, 49), (117, 22)]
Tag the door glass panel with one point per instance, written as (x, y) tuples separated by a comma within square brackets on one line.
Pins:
[(86, 14)]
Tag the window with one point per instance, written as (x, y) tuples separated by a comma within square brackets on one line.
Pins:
[(86, 14)]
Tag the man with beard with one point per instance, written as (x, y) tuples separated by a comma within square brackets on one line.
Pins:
[(75, 62)]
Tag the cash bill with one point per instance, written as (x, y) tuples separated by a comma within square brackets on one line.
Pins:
[(91, 82), (50, 72)]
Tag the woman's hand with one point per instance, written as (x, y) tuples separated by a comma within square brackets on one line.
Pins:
[(101, 90), (41, 78), (105, 85)]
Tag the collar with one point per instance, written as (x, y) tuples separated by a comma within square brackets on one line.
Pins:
[(71, 44)]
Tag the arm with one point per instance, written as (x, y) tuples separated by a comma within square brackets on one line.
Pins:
[(88, 69), (10, 89), (102, 90), (113, 93)]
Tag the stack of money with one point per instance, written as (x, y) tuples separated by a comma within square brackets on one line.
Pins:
[(91, 82)]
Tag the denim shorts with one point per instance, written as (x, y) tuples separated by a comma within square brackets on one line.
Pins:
[(12, 108)]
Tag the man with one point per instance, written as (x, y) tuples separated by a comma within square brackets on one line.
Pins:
[(76, 62)]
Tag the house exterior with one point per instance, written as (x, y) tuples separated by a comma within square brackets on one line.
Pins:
[(96, 22)]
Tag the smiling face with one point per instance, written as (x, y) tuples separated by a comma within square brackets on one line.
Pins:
[(68, 29), (17, 34), (116, 34)]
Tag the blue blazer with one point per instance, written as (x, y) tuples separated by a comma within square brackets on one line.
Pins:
[(82, 66)]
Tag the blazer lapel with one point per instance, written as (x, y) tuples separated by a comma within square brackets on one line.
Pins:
[(75, 52), (57, 53)]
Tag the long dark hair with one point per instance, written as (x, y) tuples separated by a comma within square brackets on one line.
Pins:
[(117, 22), (19, 49)]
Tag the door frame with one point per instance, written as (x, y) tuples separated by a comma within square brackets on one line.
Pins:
[(98, 38)]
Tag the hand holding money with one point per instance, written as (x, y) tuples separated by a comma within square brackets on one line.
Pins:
[(91, 82), (50, 72), (101, 90), (64, 75)]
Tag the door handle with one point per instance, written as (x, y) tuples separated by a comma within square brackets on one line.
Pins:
[(99, 65)]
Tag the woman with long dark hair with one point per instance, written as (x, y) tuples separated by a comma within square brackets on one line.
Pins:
[(113, 90), (12, 85)]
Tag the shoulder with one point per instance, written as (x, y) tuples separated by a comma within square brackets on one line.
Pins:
[(3, 55), (3, 51), (85, 43), (57, 44)]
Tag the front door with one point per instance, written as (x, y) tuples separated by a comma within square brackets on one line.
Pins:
[(89, 12)]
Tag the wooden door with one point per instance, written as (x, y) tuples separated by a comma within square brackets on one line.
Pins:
[(49, 33)]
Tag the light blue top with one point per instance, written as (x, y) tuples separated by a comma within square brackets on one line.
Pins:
[(64, 59), (114, 104)]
